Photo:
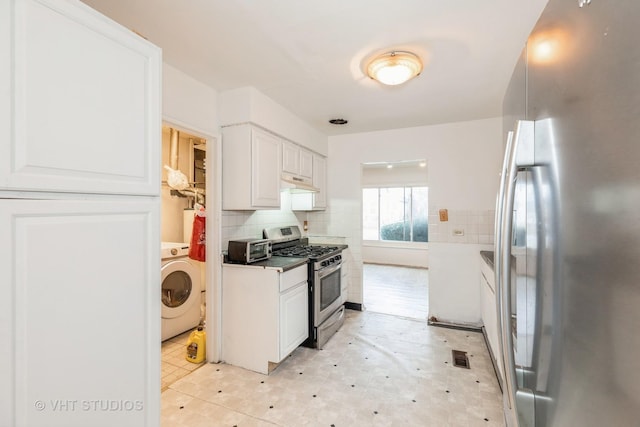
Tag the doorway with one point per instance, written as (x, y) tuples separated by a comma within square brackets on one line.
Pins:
[(395, 238), (188, 154), (397, 290)]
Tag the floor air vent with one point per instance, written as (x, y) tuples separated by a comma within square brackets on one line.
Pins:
[(460, 359)]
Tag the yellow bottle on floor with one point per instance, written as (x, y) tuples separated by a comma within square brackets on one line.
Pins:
[(196, 345)]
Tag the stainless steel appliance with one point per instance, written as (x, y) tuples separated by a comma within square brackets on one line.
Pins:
[(326, 311), (568, 242), (247, 251)]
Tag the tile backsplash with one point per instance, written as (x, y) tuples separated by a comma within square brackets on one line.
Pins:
[(247, 224), (463, 226)]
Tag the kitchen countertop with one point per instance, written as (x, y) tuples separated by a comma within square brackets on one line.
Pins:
[(280, 263)]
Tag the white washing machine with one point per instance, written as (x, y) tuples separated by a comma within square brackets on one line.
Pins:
[(181, 287)]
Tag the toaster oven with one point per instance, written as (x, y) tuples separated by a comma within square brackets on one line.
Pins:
[(247, 251)]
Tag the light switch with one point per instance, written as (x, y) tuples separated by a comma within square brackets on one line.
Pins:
[(444, 215)]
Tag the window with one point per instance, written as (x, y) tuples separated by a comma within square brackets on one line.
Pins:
[(395, 214)]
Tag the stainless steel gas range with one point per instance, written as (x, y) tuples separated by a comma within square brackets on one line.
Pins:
[(326, 311)]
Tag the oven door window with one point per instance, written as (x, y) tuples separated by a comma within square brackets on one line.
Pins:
[(329, 289)]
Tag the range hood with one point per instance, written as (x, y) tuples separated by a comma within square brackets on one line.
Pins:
[(296, 184)]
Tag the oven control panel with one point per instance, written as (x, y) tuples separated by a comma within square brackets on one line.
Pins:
[(336, 259)]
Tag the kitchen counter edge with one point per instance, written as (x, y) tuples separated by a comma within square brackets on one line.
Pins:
[(274, 263)]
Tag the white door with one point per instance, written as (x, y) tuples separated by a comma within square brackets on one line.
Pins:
[(80, 313), (79, 218)]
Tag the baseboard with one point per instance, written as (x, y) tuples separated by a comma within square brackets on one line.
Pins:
[(353, 306), (455, 326), (494, 361)]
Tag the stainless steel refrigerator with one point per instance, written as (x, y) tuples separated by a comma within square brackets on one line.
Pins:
[(568, 216)]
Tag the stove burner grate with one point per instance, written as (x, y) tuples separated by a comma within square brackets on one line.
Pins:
[(305, 251)]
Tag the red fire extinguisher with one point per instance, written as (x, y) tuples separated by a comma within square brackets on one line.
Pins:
[(197, 248)]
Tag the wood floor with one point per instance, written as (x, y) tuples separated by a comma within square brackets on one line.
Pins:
[(401, 291)]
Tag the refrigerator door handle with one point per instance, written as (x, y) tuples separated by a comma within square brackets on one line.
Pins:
[(546, 320), (497, 260), (521, 155)]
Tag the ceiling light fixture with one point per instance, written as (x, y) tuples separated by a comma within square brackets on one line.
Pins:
[(338, 121), (394, 68)]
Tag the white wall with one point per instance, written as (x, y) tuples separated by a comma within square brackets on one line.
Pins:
[(191, 106), (463, 165), (247, 104), (188, 103), (388, 254)]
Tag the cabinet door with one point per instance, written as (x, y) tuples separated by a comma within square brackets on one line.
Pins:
[(294, 318), (80, 109), (320, 181), (489, 313), (266, 164), (313, 201), (80, 313), (290, 158), (306, 163)]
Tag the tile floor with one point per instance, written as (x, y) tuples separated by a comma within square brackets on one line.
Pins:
[(378, 370), (174, 365)]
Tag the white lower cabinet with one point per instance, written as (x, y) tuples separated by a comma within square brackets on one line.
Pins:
[(81, 312), (490, 314), (265, 314), (294, 318)]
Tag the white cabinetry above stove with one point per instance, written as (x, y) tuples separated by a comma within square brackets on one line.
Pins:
[(251, 166), (316, 200), (298, 168), (297, 160)]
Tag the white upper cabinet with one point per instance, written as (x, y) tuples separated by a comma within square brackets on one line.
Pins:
[(251, 165), (317, 200), (80, 109), (290, 158), (296, 160), (306, 163), (320, 181)]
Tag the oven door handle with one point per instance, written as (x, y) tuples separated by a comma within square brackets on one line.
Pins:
[(328, 270)]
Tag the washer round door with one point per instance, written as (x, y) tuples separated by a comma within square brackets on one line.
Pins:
[(180, 288)]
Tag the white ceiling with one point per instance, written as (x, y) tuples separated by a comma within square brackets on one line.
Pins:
[(308, 56)]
